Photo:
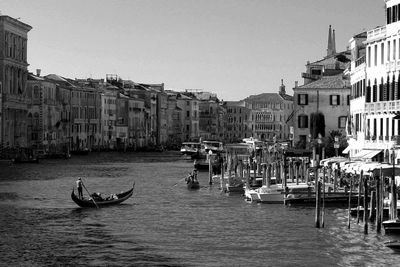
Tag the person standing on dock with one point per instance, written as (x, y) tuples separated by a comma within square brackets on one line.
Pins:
[(79, 186)]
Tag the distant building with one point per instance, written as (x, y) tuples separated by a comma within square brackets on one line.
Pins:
[(13, 76), (270, 115), (189, 105), (237, 121)]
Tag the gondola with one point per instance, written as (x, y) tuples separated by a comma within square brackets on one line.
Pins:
[(191, 185), (89, 203)]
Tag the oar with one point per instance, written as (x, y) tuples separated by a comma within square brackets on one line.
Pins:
[(179, 181), (89, 194)]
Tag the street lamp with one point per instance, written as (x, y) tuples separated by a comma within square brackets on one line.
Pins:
[(336, 145)]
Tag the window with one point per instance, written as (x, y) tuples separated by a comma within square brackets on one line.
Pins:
[(187, 114), (316, 72), (382, 53), (303, 121), (388, 15), (302, 99), (388, 50), (335, 100), (375, 55), (369, 56), (342, 122), (394, 49), (348, 100)]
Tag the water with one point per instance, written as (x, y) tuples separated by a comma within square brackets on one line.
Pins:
[(163, 224)]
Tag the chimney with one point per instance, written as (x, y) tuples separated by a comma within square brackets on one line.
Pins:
[(333, 43), (329, 51), (296, 84), (38, 72), (282, 90)]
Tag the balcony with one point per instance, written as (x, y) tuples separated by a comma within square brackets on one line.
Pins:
[(360, 61), (396, 140), (382, 106), (376, 34)]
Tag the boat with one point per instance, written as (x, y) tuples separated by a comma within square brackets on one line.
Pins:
[(83, 151), (21, 159), (335, 199), (193, 184), (393, 244), (190, 148), (275, 193), (392, 226), (96, 201), (214, 146)]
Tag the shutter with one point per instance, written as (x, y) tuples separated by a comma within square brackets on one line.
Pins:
[(298, 99), (306, 122), (306, 99), (338, 100), (330, 100)]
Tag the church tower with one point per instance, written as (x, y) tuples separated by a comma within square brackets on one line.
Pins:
[(331, 43)]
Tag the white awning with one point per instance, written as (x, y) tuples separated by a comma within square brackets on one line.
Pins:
[(366, 154), (371, 154)]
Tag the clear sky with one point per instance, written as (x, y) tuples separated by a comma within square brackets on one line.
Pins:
[(234, 48)]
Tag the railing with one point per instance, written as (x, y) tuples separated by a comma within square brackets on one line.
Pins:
[(376, 33), (360, 61), (383, 106)]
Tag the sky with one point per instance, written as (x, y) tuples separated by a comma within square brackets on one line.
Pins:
[(234, 48)]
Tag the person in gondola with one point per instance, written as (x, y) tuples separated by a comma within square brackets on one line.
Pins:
[(79, 186), (194, 175), (189, 178)]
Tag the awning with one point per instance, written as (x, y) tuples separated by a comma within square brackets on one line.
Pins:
[(346, 150), (367, 154), (371, 154)]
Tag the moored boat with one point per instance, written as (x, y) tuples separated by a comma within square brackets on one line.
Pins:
[(190, 148), (392, 226), (97, 201)]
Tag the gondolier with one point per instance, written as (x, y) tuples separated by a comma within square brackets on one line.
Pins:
[(79, 186)]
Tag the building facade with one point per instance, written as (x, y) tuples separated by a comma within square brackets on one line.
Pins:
[(376, 100), (13, 76)]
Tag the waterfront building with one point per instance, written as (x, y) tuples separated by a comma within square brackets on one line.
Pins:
[(45, 129), (136, 123), (209, 120), (121, 126), (376, 99), (174, 120), (238, 121), (109, 117), (13, 76), (189, 105), (270, 115), (321, 105)]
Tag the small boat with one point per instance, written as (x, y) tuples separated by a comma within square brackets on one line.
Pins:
[(100, 202), (392, 226), (191, 185), (393, 244), (19, 159), (83, 151), (190, 148)]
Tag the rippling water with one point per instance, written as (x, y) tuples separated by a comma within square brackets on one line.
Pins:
[(163, 224)]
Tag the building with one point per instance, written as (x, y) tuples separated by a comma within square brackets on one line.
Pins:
[(270, 115), (237, 121), (189, 105), (13, 76), (321, 105), (376, 100)]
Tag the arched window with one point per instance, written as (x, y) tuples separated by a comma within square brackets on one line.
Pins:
[(374, 93), (393, 89), (381, 88)]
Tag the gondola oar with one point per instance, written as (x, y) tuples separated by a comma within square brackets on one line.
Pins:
[(89, 194), (179, 181)]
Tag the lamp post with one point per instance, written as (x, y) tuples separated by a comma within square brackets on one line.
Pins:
[(336, 145), (394, 191)]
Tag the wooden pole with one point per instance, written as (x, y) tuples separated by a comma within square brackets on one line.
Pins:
[(222, 174), (372, 210), (349, 209), (209, 169), (268, 175), (378, 205), (365, 217), (323, 196), (264, 173), (317, 203), (359, 198)]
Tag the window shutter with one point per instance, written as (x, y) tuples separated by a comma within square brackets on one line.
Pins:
[(306, 99), (338, 100), (305, 121), (298, 99), (330, 100)]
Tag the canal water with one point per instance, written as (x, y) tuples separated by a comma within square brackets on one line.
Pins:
[(163, 224)]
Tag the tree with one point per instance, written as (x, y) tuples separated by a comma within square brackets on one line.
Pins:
[(317, 124)]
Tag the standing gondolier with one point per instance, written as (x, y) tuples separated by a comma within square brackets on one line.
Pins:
[(79, 186)]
